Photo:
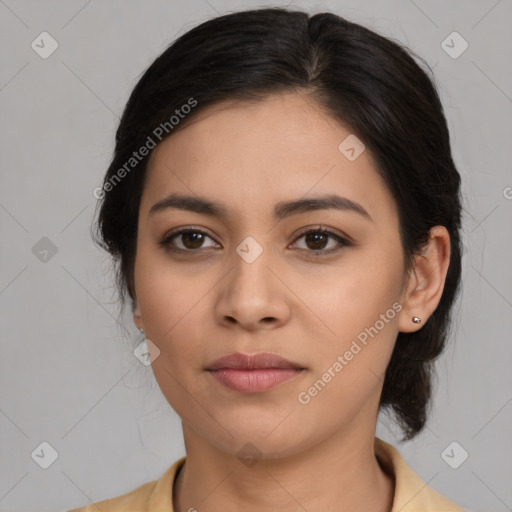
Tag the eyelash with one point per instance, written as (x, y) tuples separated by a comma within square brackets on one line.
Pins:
[(166, 242)]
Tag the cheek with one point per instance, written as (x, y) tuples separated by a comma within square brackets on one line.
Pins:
[(360, 308), (171, 306), (350, 365), (165, 290), (354, 295), (169, 299)]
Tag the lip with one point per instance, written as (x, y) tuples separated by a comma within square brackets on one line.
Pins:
[(253, 373), (259, 361)]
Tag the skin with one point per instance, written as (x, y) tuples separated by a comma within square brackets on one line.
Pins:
[(305, 308)]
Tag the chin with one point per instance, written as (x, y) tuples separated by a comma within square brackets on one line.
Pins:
[(270, 436)]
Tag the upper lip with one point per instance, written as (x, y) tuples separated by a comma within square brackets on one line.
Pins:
[(261, 360)]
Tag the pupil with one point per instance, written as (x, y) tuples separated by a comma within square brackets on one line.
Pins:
[(316, 237), (195, 244)]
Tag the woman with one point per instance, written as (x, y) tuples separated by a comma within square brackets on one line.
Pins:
[(285, 212)]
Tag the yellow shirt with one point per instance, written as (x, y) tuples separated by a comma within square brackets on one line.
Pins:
[(412, 494)]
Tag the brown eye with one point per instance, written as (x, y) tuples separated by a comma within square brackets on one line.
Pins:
[(190, 240), (317, 240)]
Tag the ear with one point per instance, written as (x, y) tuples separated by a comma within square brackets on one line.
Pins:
[(426, 280), (137, 317)]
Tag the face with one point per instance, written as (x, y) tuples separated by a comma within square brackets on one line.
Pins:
[(243, 280)]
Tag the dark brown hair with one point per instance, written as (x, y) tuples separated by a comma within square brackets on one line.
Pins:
[(368, 82)]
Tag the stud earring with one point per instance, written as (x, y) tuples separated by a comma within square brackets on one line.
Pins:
[(141, 330), (416, 319)]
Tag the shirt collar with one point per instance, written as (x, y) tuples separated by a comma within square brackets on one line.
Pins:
[(411, 492)]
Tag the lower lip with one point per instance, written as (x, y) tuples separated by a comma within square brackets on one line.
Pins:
[(254, 381)]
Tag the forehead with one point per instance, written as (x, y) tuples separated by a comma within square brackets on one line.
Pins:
[(249, 154)]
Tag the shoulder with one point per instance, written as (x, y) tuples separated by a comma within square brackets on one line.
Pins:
[(134, 500), (151, 496), (411, 492)]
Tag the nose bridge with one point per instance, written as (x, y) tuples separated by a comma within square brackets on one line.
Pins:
[(251, 262), (251, 291)]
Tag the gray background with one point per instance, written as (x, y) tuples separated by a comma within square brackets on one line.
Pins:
[(68, 373)]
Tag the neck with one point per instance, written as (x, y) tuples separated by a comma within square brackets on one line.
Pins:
[(341, 474)]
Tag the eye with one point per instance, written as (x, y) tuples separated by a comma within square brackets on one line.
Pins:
[(192, 239), (317, 241)]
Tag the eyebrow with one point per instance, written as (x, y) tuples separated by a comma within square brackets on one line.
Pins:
[(282, 210)]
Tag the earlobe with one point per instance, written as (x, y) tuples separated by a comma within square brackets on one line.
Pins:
[(137, 317), (426, 281)]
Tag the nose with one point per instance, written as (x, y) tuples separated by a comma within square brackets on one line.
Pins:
[(252, 295)]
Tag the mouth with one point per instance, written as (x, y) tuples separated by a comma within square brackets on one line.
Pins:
[(253, 373)]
